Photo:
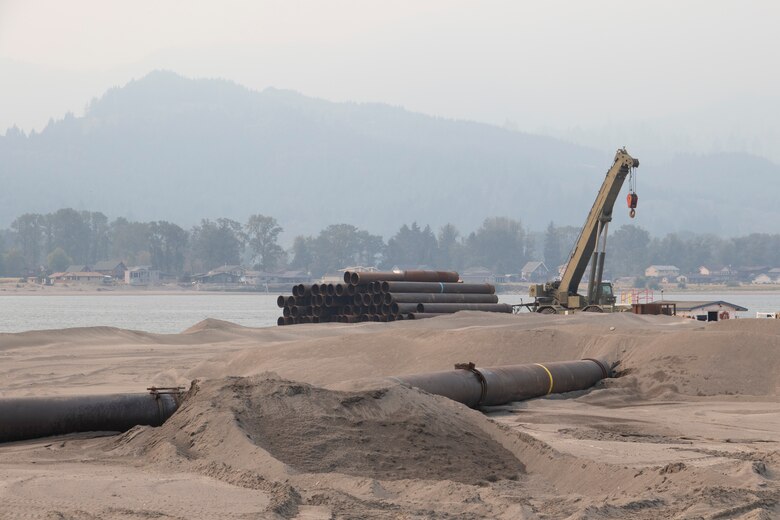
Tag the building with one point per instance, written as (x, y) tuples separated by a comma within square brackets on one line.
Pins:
[(236, 270), (78, 268), (534, 272), (89, 277), (765, 278), (478, 275), (668, 272), (706, 310), (142, 275), (748, 272), (113, 268), (222, 277)]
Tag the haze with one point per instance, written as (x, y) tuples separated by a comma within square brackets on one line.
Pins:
[(660, 77)]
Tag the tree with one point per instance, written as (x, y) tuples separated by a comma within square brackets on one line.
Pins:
[(217, 243), (302, 253), (411, 246), (15, 263), (98, 235), (29, 230), (553, 252), (167, 246), (71, 231), (58, 260), (628, 251), (129, 241), (263, 233), (449, 250), (499, 244), (343, 245)]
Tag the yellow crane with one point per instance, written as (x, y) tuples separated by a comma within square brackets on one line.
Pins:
[(590, 247)]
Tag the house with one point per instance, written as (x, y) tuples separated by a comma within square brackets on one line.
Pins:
[(223, 277), (236, 270), (293, 277), (79, 277), (714, 270), (706, 310), (78, 268), (478, 274), (711, 274), (749, 272), (669, 272), (113, 268), (534, 272), (763, 279), (142, 275)]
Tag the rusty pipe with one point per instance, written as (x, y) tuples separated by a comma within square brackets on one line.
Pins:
[(438, 287), (356, 278)]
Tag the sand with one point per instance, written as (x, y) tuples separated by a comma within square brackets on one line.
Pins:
[(290, 422)]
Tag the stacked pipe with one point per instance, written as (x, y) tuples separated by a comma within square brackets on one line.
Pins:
[(386, 296)]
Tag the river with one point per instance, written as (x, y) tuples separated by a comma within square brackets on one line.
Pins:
[(173, 313)]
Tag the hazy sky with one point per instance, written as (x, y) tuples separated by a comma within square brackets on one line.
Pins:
[(549, 66)]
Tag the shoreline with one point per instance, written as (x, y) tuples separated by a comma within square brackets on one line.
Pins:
[(28, 289)]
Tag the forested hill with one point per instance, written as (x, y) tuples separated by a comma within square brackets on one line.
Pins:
[(166, 147)]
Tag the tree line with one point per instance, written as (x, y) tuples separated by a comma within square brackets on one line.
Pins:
[(631, 249), (53, 241)]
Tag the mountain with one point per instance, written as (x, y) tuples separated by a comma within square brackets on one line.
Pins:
[(166, 147)]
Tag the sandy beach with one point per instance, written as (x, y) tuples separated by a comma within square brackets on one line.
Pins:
[(290, 422)]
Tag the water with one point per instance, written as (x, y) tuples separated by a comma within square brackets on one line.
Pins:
[(161, 313), (173, 313)]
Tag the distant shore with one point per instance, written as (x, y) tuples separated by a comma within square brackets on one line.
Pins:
[(30, 289), (11, 286)]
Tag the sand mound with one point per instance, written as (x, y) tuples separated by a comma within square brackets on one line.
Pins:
[(391, 433), (213, 324), (730, 357)]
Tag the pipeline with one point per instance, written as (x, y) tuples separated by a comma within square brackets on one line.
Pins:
[(476, 387), (32, 417), (455, 307)]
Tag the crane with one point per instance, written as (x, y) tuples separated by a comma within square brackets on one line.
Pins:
[(590, 247)]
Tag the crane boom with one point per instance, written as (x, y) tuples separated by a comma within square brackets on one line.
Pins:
[(591, 244)]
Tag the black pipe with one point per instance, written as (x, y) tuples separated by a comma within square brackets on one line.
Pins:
[(423, 315), (32, 417), (455, 307), (442, 298), (438, 287), (477, 387), (398, 308), (356, 278)]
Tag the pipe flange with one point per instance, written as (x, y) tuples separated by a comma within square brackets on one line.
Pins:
[(471, 367), (604, 370)]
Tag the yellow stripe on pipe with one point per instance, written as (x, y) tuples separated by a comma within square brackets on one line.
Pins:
[(549, 374)]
